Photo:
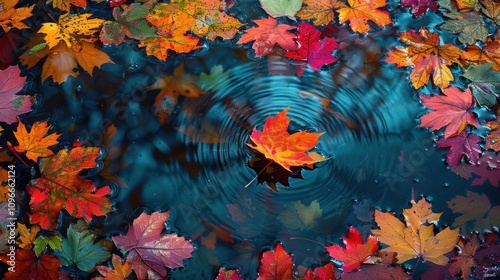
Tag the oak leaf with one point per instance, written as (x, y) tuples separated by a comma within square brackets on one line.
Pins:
[(419, 7), (37, 141), (427, 56), (490, 52), (462, 144), (276, 144), (268, 33), (120, 271), (360, 12), (321, 12), (61, 187), (11, 104), (278, 8), (11, 17), (464, 261), (355, 252), (148, 250), (28, 266), (315, 51), (276, 265), (452, 109), (476, 211), (416, 238)]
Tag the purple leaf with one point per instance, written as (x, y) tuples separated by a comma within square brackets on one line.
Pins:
[(463, 144)]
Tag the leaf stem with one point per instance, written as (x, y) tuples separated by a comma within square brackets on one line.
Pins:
[(11, 148), (415, 268), (256, 176)]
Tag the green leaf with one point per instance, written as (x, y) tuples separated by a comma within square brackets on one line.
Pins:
[(215, 79), (133, 21), (469, 26), (485, 83), (79, 249), (278, 8), (54, 242)]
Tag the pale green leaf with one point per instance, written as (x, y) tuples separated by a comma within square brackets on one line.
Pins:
[(54, 242), (485, 83), (300, 216), (278, 8)]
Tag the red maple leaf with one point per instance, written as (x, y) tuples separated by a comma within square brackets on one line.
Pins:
[(464, 261), (355, 252), (276, 265), (463, 144), (419, 7), (317, 52), (28, 266), (12, 104), (149, 251), (61, 187), (267, 34), (451, 110), (325, 272), (278, 145)]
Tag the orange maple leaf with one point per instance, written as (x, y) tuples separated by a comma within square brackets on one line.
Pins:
[(65, 5), (426, 56), (417, 238), (11, 17), (36, 142), (322, 12), (276, 144), (27, 238), (490, 52), (360, 12), (465, 259), (121, 271), (61, 187)]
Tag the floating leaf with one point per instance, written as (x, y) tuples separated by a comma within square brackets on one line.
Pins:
[(469, 26), (53, 241), (419, 7), (28, 266), (267, 34), (452, 109), (231, 274), (148, 250), (355, 252), (27, 237), (465, 259), (79, 248), (463, 144), (279, 146), (360, 12), (37, 141), (279, 8), (485, 83), (65, 5), (11, 17), (11, 104), (325, 272), (120, 271), (415, 239), (276, 265), (320, 11), (490, 52)]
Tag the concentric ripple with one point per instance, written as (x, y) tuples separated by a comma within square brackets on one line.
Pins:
[(363, 126)]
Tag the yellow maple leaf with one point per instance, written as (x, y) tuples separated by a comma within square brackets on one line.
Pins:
[(416, 238), (11, 17), (322, 12), (71, 29), (36, 142), (27, 238), (360, 12)]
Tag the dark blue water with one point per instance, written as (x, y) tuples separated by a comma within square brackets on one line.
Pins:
[(197, 163)]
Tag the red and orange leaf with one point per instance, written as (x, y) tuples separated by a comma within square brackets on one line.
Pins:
[(452, 109), (148, 250), (489, 53), (317, 52), (325, 272), (267, 34), (360, 12), (493, 138), (427, 57), (65, 5), (276, 265), (120, 271), (416, 239), (355, 252), (491, 9), (37, 141), (11, 17), (463, 144), (276, 144), (28, 266), (61, 187), (465, 259), (230, 274), (159, 46), (378, 272), (321, 12)]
